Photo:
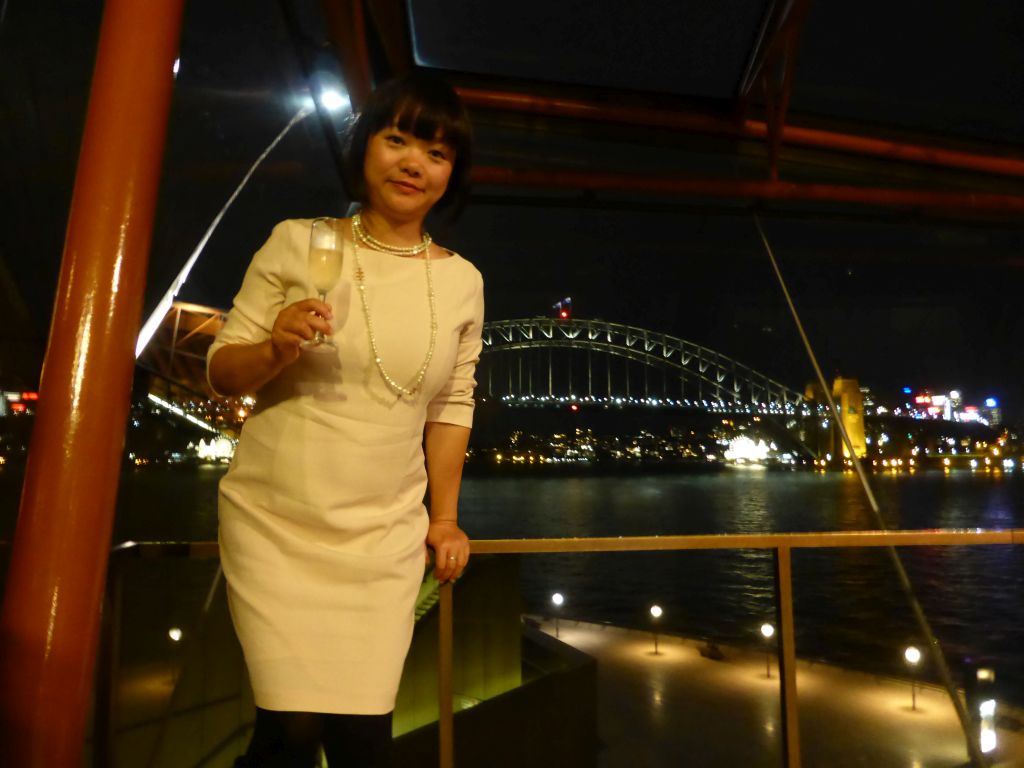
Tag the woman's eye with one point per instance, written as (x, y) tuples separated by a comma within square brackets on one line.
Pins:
[(439, 154), (394, 138)]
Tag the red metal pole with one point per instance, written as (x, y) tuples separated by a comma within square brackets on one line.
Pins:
[(581, 109), (51, 614), (755, 189)]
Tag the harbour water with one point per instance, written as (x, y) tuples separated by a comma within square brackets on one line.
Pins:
[(848, 606)]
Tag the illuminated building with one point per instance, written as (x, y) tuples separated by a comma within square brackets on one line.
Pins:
[(950, 407)]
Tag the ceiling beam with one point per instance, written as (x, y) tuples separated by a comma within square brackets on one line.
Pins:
[(779, 33), (767, 34), (757, 130), (753, 189), (391, 20), (346, 25)]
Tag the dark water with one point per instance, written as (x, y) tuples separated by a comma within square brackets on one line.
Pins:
[(849, 607), (848, 604)]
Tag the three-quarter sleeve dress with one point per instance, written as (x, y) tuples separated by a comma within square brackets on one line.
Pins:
[(322, 522)]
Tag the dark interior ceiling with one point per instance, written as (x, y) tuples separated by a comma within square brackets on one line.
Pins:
[(913, 294)]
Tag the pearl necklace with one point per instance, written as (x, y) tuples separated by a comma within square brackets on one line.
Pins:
[(413, 250), (365, 238)]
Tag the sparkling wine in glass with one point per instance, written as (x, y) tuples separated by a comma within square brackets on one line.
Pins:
[(325, 258)]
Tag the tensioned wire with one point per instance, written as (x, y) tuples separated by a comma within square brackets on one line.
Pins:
[(978, 760)]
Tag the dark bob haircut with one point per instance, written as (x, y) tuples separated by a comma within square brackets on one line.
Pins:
[(425, 106)]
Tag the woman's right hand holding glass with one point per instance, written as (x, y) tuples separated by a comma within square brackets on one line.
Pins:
[(298, 323)]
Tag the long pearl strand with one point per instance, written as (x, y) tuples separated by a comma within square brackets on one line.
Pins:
[(364, 237)]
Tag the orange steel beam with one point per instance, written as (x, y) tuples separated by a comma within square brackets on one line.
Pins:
[(346, 24), (779, 88), (50, 622), (391, 19), (581, 109), (754, 189), (767, 38), (778, 38)]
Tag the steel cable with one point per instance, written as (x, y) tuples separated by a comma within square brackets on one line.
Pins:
[(978, 759)]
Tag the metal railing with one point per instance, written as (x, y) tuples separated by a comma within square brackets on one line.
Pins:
[(781, 544)]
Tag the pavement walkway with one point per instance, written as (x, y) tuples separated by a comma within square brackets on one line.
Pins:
[(678, 708)]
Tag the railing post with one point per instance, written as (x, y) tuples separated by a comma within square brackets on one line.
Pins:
[(446, 733), (105, 711), (787, 658), (49, 627)]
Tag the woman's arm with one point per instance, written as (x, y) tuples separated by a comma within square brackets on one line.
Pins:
[(446, 453), (238, 369)]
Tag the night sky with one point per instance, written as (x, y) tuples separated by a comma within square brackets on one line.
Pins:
[(892, 297)]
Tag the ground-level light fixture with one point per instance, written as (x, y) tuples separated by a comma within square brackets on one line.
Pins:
[(987, 740), (655, 615), (557, 599), (768, 632), (175, 634), (987, 736), (912, 655)]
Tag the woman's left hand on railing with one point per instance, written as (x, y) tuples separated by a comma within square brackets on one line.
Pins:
[(451, 549)]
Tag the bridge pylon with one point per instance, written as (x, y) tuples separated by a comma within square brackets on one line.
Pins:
[(850, 404)]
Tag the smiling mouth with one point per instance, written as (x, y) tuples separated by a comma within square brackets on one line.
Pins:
[(406, 185)]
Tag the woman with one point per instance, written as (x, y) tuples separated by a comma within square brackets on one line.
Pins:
[(322, 524)]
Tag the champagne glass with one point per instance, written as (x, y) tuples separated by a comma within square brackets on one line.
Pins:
[(325, 258)]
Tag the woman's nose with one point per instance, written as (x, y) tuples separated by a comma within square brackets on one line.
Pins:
[(412, 163)]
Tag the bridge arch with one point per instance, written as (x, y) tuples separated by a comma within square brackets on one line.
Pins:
[(518, 362)]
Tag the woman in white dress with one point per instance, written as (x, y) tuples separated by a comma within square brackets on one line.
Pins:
[(323, 527)]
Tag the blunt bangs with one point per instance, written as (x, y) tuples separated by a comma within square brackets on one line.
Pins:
[(425, 106)]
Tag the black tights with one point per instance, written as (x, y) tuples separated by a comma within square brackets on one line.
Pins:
[(293, 740)]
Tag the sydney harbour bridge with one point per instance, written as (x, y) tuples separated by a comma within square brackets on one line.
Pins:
[(551, 360), (538, 362)]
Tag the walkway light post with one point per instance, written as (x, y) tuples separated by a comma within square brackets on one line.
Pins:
[(913, 657), (557, 600), (767, 632), (985, 705), (655, 615)]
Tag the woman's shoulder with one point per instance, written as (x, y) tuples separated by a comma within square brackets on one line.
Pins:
[(300, 226), (288, 231), (292, 234), (460, 264)]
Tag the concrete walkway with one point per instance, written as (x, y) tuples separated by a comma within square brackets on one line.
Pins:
[(678, 708)]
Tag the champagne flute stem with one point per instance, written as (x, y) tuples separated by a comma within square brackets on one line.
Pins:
[(318, 337)]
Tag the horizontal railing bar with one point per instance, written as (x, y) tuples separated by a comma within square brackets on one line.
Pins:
[(805, 540), (852, 539)]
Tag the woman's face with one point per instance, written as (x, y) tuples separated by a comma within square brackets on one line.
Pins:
[(405, 175)]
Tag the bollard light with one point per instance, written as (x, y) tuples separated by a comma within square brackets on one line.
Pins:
[(987, 736), (767, 632), (175, 634), (557, 599), (912, 655), (655, 615)]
